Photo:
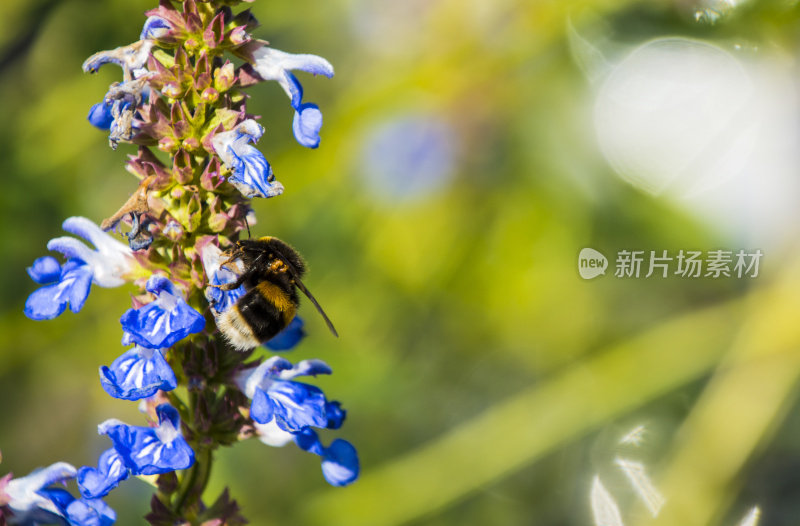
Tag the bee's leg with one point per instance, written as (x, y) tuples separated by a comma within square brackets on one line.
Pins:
[(236, 284)]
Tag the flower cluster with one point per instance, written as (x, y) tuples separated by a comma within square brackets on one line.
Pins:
[(180, 94)]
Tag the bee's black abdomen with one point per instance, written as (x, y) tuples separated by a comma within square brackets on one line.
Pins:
[(263, 318)]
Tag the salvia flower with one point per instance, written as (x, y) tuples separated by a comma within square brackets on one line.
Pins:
[(137, 451), (107, 266), (252, 174), (32, 500), (273, 64), (293, 405), (163, 322), (138, 373), (148, 450), (219, 299)]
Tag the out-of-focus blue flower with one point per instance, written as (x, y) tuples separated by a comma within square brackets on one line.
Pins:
[(252, 174), (340, 464), (293, 405), (163, 322), (219, 299), (69, 284), (138, 373), (97, 482), (273, 64), (27, 497), (306, 125), (289, 337), (154, 27), (409, 157), (32, 501), (148, 450)]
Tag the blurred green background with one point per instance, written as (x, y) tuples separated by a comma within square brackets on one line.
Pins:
[(458, 178)]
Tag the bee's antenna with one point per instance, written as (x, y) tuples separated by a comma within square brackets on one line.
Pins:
[(247, 224), (307, 292)]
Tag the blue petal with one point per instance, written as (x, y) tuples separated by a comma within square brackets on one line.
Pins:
[(45, 270), (154, 27), (295, 89), (100, 115), (73, 289), (261, 409), (335, 415), (168, 414), (306, 125), (45, 303), (340, 465), (111, 470), (297, 405), (158, 284), (137, 374), (311, 367), (92, 512), (80, 276), (289, 337), (308, 440)]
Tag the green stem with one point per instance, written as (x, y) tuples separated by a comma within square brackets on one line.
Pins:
[(195, 480)]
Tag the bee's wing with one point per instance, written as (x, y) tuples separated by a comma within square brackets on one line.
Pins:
[(310, 296)]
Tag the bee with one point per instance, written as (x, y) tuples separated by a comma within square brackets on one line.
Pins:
[(270, 272)]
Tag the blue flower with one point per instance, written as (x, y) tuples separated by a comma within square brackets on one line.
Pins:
[(25, 496), (138, 373), (274, 395), (252, 174), (340, 464), (69, 284), (273, 64), (410, 157), (33, 502), (97, 482), (220, 300), (163, 322), (110, 261), (151, 451), (289, 337)]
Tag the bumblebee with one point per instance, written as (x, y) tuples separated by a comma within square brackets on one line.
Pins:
[(270, 272)]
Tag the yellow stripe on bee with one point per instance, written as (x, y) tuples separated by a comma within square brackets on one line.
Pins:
[(277, 297)]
